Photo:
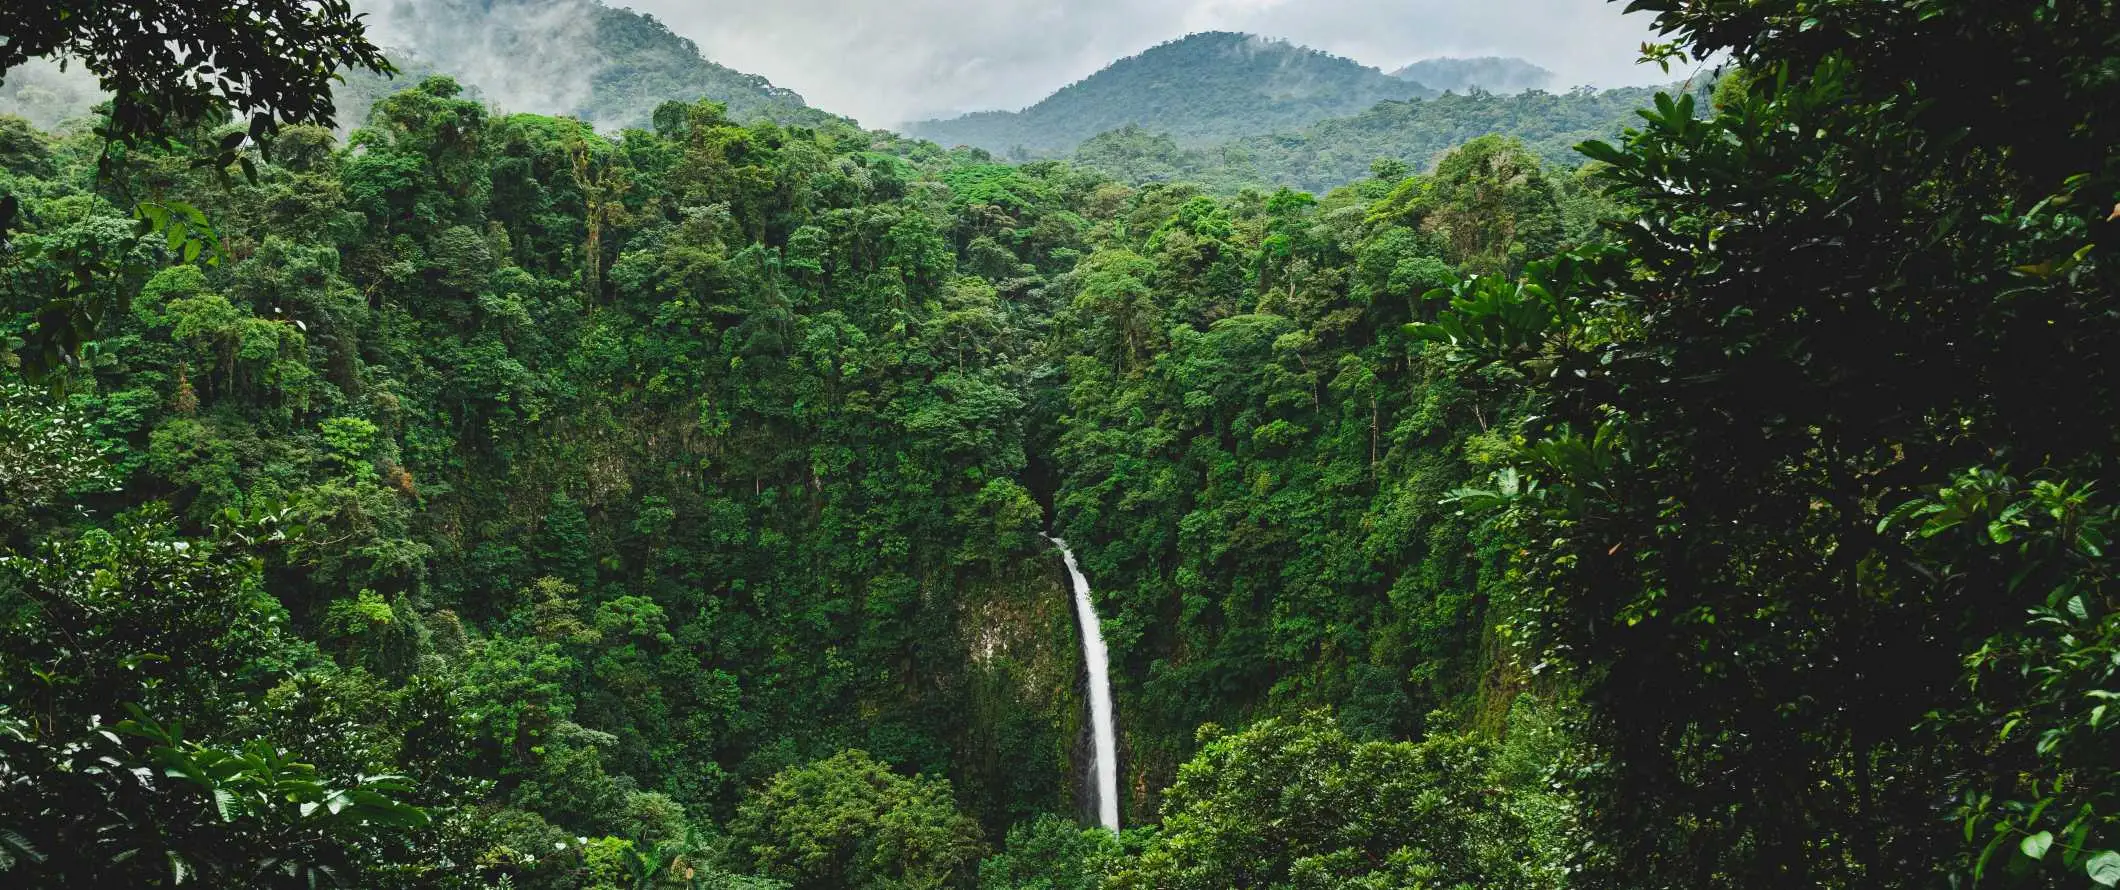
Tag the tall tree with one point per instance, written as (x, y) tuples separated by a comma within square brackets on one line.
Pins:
[(1843, 414), (170, 67), (272, 61)]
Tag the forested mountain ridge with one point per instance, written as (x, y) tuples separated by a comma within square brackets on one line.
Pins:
[(1200, 89), (1210, 97), (584, 59), (579, 58), (1492, 74), (1336, 151)]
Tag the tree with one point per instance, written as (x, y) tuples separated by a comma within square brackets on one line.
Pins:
[(1489, 202), (273, 62), (140, 619), (1801, 462), (44, 454), (849, 821), (1299, 804), (1052, 853), (170, 67)]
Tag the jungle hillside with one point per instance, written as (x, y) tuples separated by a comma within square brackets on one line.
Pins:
[(611, 471)]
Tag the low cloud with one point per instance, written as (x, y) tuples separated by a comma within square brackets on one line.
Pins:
[(886, 63)]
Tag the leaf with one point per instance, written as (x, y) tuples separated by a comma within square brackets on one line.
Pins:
[(13, 847), (2036, 845), (2104, 868), (1988, 852), (1600, 151)]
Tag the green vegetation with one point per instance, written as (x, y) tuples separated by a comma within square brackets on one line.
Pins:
[(1330, 153), (487, 501), (286, 50), (1822, 537), (599, 487), (556, 443), (1304, 805), (851, 822), (1202, 89), (1233, 111)]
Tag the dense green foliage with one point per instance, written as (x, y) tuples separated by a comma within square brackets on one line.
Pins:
[(163, 65), (138, 616), (601, 441), (1303, 805), (491, 501), (850, 822), (675, 464), (160, 61), (1823, 454), (1201, 89), (1333, 152), (1255, 460)]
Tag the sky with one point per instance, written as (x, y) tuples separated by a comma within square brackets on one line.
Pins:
[(885, 62)]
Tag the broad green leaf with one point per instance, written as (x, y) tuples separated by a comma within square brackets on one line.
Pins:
[(224, 801), (2104, 868), (2036, 845)]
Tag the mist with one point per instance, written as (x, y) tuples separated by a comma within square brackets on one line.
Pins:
[(887, 64), (890, 63), (519, 56)]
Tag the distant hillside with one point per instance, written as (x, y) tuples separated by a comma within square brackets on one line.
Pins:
[(38, 91), (1334, 152), (530, 55), (520, 55), (1201, 90), (1490, 73)]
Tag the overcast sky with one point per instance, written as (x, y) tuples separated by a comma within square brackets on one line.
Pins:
[(888, 61)]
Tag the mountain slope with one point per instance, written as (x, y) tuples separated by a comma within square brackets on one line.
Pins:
[(1490, 73), (1333, 152), (1202, 89), (530, 55)]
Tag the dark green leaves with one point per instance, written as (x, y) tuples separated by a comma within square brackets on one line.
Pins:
[(273, 61)]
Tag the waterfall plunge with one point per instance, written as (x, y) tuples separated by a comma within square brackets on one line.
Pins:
[(1100, 694)]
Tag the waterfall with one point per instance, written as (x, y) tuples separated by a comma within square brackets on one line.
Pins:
[(1100, 694)]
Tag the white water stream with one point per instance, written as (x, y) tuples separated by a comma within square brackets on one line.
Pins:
[(1100, 694)]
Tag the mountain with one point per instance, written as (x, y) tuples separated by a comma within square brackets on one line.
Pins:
[(1493, 74), (1336, 151), (1201, 89), (580, 58)]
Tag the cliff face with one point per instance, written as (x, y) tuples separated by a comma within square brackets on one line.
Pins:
[(1019, 745)]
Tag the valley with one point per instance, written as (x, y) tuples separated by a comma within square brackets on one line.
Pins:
[(568, 462)]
